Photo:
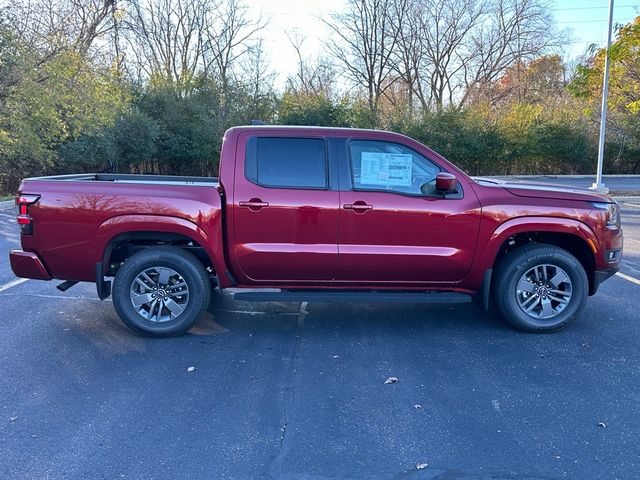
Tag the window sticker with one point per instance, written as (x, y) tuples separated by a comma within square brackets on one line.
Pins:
[(386, 169)]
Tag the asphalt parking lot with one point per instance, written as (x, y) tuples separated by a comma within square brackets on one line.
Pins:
[(287, 395)]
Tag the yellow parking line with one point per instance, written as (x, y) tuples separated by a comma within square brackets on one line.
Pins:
[(628, 277), (7, 286)]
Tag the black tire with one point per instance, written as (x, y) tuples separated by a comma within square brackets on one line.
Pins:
[(194, 295), (512, 301)]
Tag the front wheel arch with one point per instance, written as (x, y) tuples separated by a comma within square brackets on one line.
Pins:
[(573, 244)]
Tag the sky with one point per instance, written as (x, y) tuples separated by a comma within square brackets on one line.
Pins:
[(587, 20)]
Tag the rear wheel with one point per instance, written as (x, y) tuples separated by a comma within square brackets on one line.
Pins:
[(540, 288), (161, 291)]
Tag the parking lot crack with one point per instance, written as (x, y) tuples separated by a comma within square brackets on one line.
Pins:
[(274, 469), (283, 433)]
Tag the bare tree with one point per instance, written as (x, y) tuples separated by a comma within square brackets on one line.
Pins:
[(49, 27), (313, 76), (441, 52), (183, 39), (168, 37), (409, 60), (258, 76), (228, 38), (514, 31), (367, 35), (448, 26), (432, 47), (94, 20)]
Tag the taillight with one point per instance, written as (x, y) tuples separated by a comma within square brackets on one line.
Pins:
[(22, 212)]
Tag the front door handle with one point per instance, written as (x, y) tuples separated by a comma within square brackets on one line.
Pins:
[(358, 207), (254, 204)]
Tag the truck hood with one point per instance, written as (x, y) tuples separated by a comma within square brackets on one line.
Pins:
[(543, 190)]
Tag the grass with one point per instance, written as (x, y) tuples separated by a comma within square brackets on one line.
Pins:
[(6, 197)]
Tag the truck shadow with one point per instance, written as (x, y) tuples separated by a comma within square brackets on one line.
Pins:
[(225, 314)]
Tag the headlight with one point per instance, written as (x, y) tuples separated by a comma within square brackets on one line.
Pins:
[(613, 214)]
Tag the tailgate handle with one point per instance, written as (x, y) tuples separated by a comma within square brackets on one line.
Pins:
[(254, 204)]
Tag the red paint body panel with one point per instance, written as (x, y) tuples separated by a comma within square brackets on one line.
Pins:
[(294, 238), (407, 239), (28, 265), (505, 214), (73, 221)]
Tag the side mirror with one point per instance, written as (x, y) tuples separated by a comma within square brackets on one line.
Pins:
[(446, 182)]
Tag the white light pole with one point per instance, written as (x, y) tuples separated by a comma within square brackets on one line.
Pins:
[(599, 185)]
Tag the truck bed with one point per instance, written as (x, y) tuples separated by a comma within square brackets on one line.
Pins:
[(76, 216), (133, 178)]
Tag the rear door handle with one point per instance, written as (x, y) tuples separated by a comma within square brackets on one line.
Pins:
[(254, 204), (358, 207)]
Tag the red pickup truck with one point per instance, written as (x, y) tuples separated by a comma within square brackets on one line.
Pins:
[(319, 214)]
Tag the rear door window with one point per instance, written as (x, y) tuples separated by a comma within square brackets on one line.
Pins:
[(281, 162)]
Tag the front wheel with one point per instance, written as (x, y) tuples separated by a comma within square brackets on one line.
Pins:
[(540, 288), (161, 291)]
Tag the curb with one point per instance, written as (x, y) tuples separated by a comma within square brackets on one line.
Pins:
[(625, 176), (628, 201)]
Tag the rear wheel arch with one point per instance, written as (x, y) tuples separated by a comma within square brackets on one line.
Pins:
[(124, 245), (155, 230)]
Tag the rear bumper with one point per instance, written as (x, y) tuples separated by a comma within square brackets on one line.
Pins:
[(28, 265)]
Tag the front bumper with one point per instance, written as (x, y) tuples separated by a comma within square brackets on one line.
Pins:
[(600, 276), (28, 265), (608, 256)]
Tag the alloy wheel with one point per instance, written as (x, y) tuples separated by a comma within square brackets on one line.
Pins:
[(159, 294), (544, 291)]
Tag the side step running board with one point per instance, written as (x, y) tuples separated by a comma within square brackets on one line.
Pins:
[(270, 295), (64, 286)]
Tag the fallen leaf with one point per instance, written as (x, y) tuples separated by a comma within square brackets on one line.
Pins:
[(391, 380), (602, 424), (191, 369), (421, 466), (336, 356), (13, 419), (417, 407)]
